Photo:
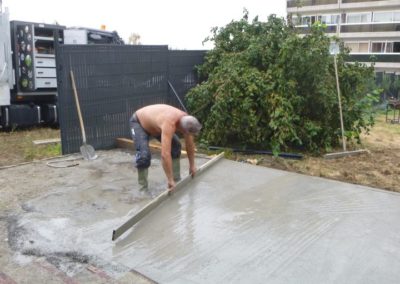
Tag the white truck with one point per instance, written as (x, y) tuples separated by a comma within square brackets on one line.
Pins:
[(28, 79)]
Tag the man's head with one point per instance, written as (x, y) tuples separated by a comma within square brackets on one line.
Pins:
[(190, 124)]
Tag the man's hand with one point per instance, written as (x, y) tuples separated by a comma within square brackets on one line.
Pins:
[(171, 186)]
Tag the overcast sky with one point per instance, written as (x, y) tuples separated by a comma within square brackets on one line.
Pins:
[(180, 24)]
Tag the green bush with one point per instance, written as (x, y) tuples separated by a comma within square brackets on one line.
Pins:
[(266, 87)]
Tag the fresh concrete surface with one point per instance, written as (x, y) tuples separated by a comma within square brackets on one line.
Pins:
[(56, 223), (246, 224), (236, 223)]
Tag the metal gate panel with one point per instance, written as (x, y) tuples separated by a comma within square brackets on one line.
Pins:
[(112, 81), (182, 72)]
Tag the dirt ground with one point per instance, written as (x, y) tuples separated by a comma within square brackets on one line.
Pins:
[(67, 198), (379, 167)]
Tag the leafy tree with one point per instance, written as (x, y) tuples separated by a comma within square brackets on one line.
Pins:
[(266, 87)]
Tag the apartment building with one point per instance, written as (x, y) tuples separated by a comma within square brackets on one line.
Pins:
[(367, 27)]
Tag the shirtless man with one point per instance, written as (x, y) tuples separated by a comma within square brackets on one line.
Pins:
[(162, 121)]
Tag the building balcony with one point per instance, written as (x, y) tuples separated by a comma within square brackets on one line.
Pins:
[(306, 29), (370, 28), (302, 3), (358, 1), (382, 62), (369, 4), (375, 57), (305, 6), (378, 30)]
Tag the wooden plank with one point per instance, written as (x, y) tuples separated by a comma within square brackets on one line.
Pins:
[(345, 154), (129, 144), (159, 199), (125, 143), (46, 141)]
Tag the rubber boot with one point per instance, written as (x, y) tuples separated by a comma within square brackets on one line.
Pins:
[(176, 168), (142, 179)]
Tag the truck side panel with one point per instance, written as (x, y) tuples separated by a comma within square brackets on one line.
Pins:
[(6, 70)]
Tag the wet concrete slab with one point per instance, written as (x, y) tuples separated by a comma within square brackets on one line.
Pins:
[(236, 223), (67, 226), (245, 224)]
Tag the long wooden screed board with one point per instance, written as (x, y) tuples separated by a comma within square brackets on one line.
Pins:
[(159, 199)]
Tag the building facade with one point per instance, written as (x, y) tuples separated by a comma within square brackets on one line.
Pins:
[(367, 27)]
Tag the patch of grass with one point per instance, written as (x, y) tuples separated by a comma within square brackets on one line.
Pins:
[(383, 134), (384, 126), (17, 146), (42, 151)]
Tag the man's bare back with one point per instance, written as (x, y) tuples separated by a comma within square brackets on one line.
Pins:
[(156, 118)]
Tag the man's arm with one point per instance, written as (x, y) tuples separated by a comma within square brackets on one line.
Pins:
[(190, 147), (166, 159)]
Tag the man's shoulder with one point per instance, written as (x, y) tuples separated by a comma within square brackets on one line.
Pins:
[(159, 107)]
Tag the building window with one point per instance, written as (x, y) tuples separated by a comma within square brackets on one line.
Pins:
[(378, 47), (386, 17), (389, 47), (363, 47), (311, 19), (393, 47), (305, 20), (396, 47), (396, 16), (357, 47), (357, 18), (385, 47), (329, 19), (295, 20), (383, 17)]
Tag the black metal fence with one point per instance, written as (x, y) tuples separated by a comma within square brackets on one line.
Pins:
[(180, 72), (112, 82)]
